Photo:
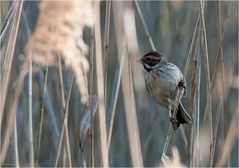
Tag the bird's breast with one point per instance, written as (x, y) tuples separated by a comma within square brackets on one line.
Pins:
[(162, 90)]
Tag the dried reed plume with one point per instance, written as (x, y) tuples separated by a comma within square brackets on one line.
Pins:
[(59, 32)]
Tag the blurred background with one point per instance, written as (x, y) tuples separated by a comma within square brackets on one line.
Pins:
[(55, 55)]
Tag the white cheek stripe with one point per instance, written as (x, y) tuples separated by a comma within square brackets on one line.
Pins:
[(147, 66)]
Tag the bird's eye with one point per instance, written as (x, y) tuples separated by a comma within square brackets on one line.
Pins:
[(151, 61)]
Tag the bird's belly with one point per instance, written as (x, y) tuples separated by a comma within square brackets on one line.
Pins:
[(163, 92)]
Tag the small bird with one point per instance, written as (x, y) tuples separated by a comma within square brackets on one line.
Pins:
[(163, 80)]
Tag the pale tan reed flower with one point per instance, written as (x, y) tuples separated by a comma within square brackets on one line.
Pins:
[(59, 32)]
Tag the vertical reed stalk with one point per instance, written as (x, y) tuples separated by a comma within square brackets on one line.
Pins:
[(131, 117), (49, 108), (219, 37), (127, 84), (61, 82), (205, 47), (12, 114), (222, 74), (197, 108), (115, 98), (170, 130), (42, 113), (219, 60), (190, 53), (17, 164), (67, 143), (219, 109), (7, 22), (67, 146), (106, 44), (191, 49), (220, 56), (91, 103), (230, 139), (64, 131), (100, 89), (5, 75), (31, 143), (193, 99), (144, 25), (47, 100)]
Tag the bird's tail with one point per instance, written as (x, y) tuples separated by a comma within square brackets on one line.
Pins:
[(182, 117)]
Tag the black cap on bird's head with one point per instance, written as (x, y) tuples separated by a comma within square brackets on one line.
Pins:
[(152, 58)]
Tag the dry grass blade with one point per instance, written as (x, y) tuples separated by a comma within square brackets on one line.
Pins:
[(31, 143), (180, 93), (222, 86), (64, 131), (67, 146), (42, 113), (61, 83), (106, 43), (190, 53), (144, 25), (5, 75), (6, 23), (17, 163), (59, 147), (219, 58), (196, 105), (205, 47), (193, 97), (191, 49), (230, 139), (115, 98), (132, 125), (219, 109), (49, 106), (222, 74), (170, 130), (100, 89), (127, 84), (65, 149), (91, 103), (192, 130), (12, 114), (46, 100)]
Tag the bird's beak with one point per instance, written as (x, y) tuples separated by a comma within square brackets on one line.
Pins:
[(139, 61)]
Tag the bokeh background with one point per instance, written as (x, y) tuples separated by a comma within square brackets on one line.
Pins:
[(55, 37)]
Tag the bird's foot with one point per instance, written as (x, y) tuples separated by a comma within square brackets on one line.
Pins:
[(174, 122), (182, 84)]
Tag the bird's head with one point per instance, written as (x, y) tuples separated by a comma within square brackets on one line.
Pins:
[(150, 59)]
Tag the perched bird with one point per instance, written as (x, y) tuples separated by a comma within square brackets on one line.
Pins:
[(163, 80)]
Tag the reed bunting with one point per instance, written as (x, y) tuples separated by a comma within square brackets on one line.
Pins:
[(163, 80)]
